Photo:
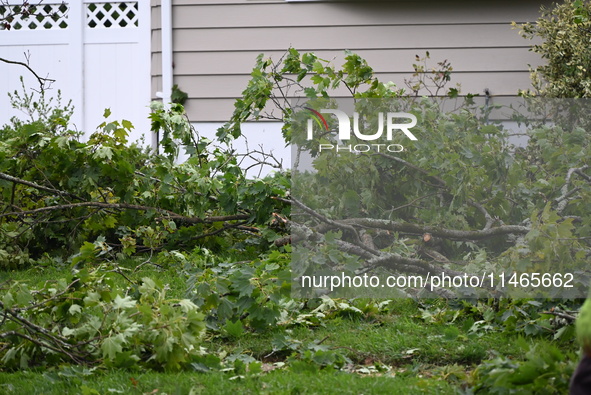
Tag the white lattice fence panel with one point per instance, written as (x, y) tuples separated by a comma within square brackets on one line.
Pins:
[(34, 17), (77, 43), (113, 14)]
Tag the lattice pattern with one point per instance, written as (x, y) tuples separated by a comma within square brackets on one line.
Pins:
[(34, 17), (108, 15)]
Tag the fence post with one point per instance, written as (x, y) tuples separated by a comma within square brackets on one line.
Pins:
[(77, 27)]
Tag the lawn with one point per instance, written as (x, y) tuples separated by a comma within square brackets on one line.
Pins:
[(411, 346)]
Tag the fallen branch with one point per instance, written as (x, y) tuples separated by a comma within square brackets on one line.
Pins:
[(125, 206), (217, 231), (569, 317), (8, 177), (453, 234), (78, 359), (45, 338), (562, 200), (346, 227)]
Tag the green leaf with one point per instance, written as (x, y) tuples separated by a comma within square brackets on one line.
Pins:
[(23, 296), (234, 329), (123, 303), (75, 309), (126, 124), (8, 300), (112, 346), (104, 153)]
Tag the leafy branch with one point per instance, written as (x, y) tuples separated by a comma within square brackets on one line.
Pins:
[(124, 206)]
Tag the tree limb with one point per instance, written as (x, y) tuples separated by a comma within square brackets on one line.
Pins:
[(31, 184), (337, 224), (569, 317), (42, 81), (60, 350), (445, 233), (125, 206)]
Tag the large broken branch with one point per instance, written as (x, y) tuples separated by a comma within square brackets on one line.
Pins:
[(41, 336), (388, 260), (562, 201), (125, 206), (16, 180), (104, 205), (452, 234), (346, 227)]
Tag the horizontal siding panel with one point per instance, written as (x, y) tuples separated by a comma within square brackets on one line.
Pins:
[(230, 2), (351, 14), (156, 64), (220, 109), (216, 42), (210, 110), (499, 83), (364, 37), (156, 20), (156, 86), (462, 60)]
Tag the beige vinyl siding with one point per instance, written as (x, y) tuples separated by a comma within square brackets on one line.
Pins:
[(216, 42), (156, 48)]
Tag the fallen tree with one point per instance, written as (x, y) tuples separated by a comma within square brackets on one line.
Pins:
[(60, 192), (461, 199)]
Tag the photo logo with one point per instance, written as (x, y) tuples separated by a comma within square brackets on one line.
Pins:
[(345, 124), (391, 121), (319, 120)]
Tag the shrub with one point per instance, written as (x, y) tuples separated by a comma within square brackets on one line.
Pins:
[(565, 30)]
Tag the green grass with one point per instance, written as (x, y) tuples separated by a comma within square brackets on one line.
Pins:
[(423, 357), (171, 276), (394, 340), (278, 382), (394, 343)]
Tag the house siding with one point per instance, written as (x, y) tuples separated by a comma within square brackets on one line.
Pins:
[(215, 43)]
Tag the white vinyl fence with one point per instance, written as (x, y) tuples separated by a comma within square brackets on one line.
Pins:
[(98, 53)]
